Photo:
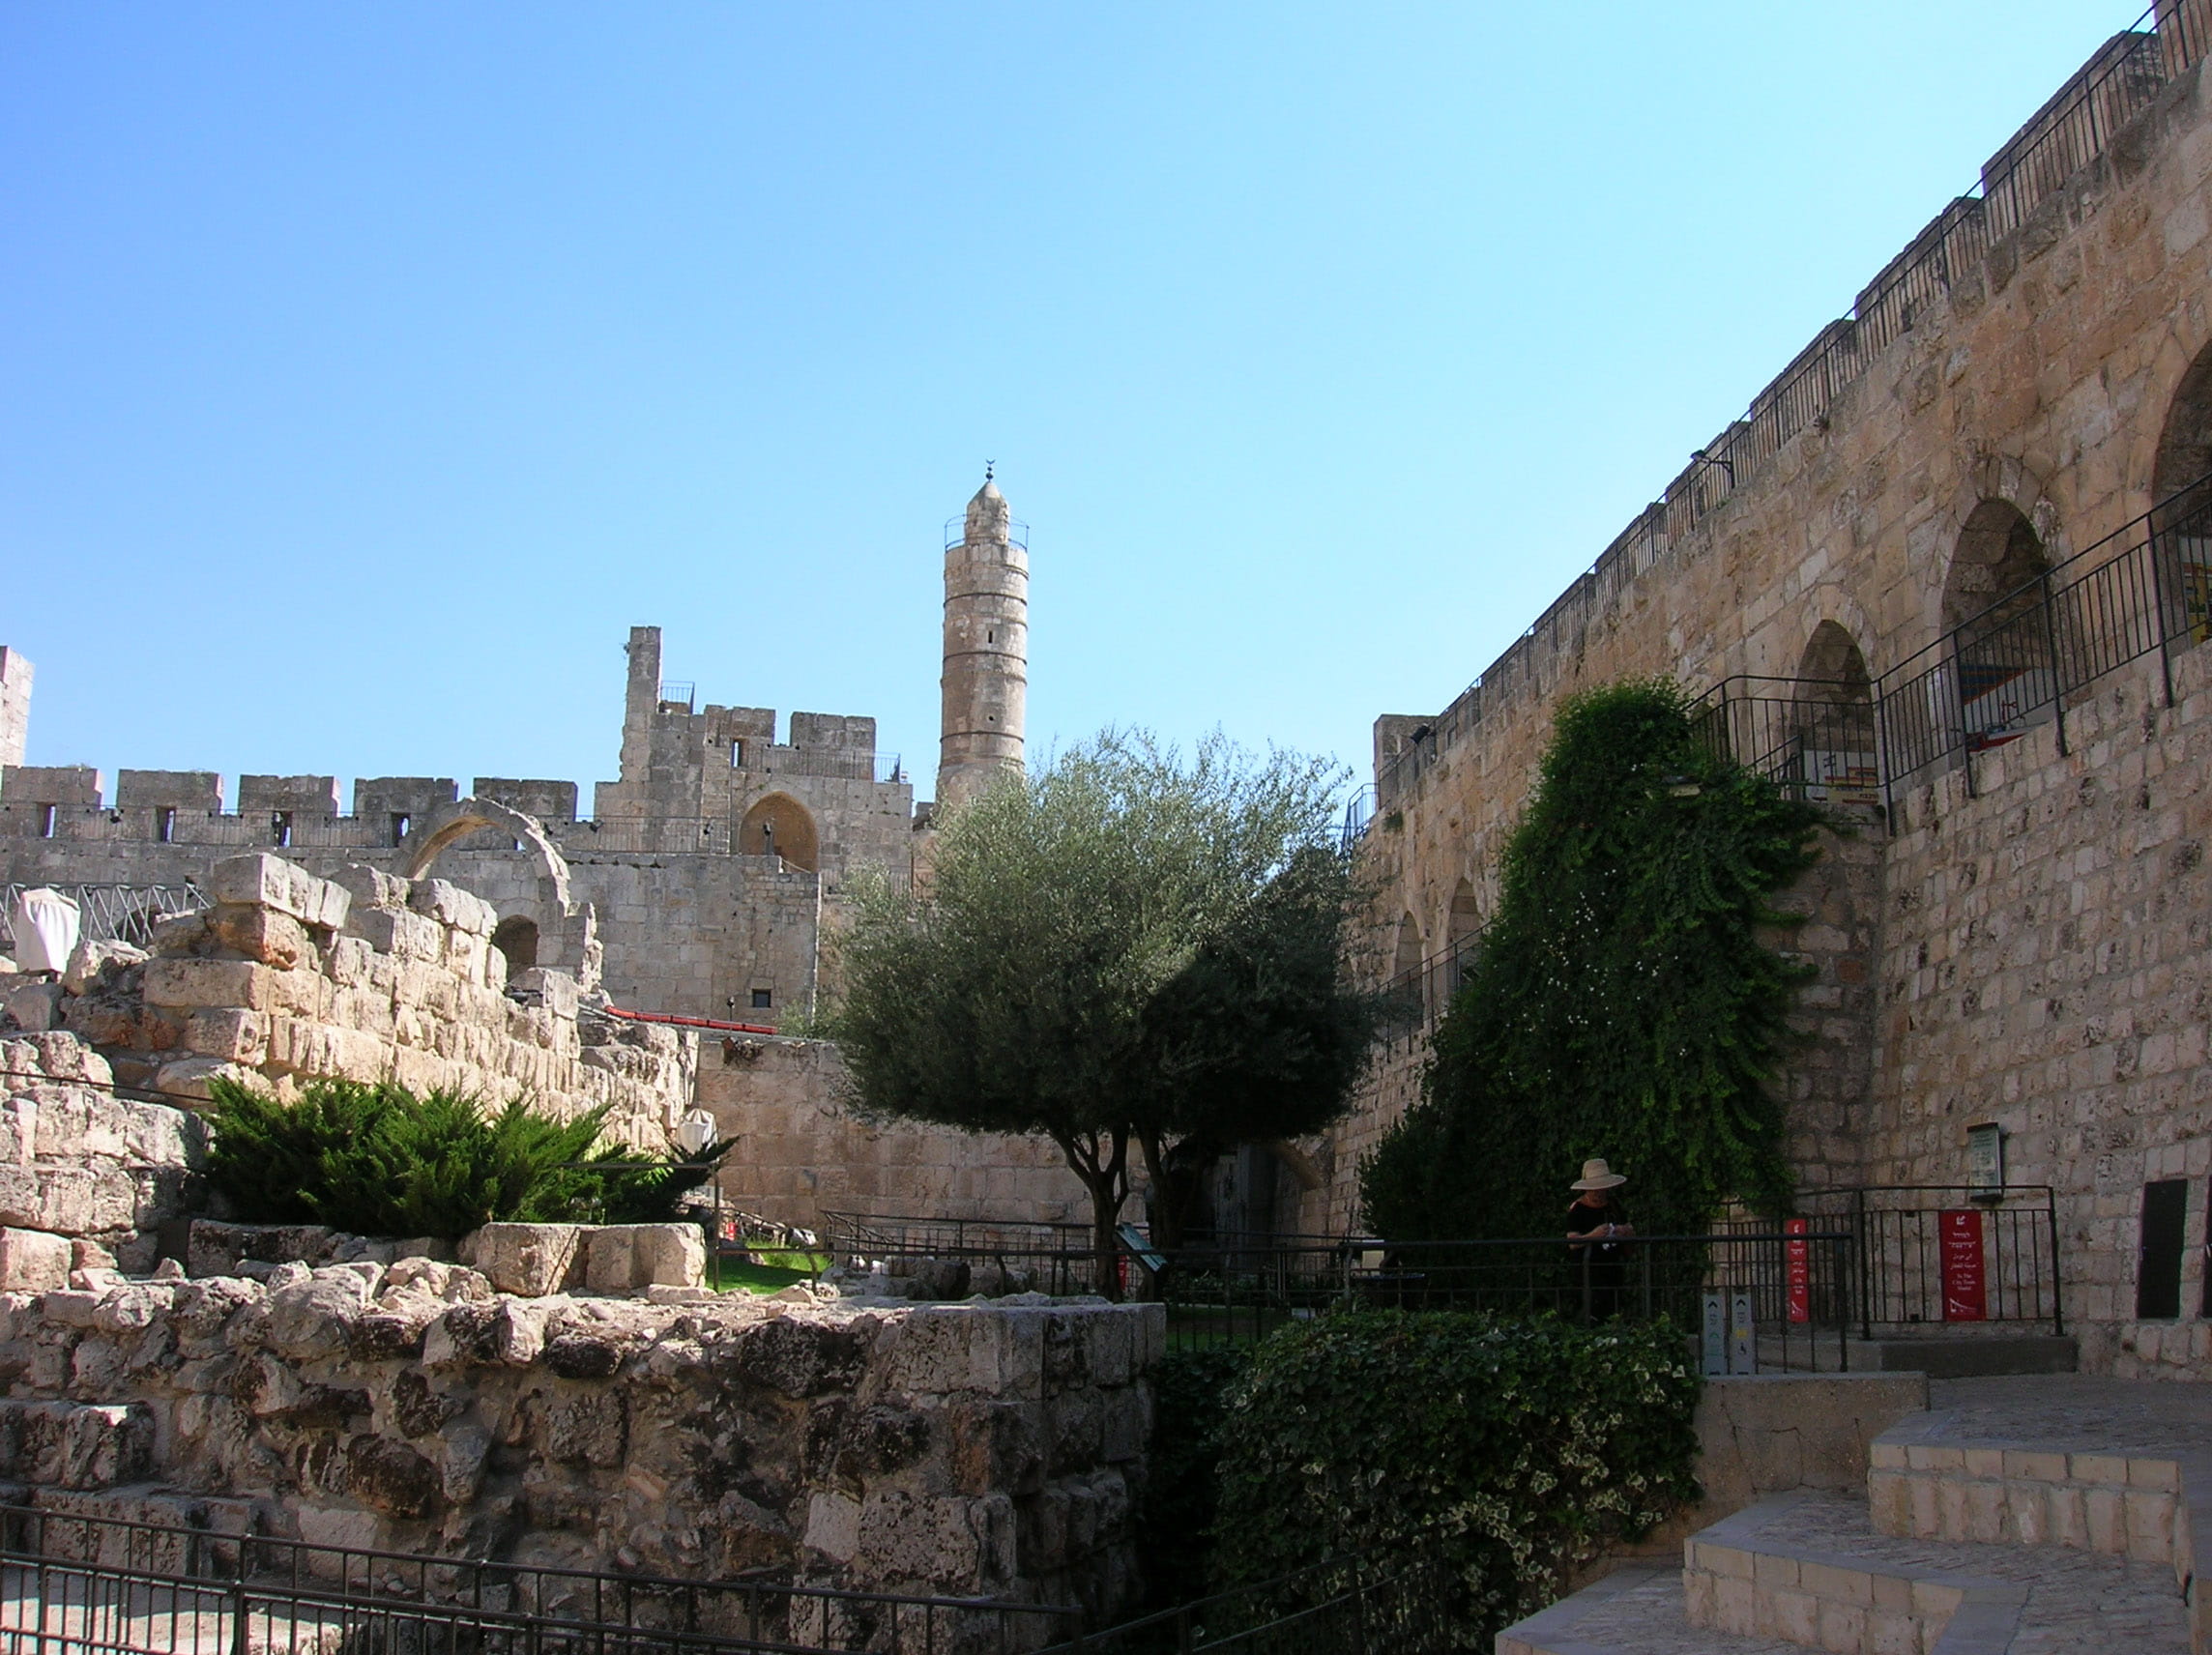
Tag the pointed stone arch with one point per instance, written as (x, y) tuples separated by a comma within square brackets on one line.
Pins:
[(778, 826), (1406, 958)]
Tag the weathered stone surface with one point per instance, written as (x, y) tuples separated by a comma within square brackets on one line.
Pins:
[(32, 1260), (265, 881), (91, 957), (213, 1248), (532, 1260), (450, 906), (625, 1257), (263, 934)]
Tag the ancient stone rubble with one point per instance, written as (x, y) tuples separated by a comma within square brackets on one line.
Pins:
[(980, 1449)]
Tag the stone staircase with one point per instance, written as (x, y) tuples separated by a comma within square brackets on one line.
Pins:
[(2033, 1517)]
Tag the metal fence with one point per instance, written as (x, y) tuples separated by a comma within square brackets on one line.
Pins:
[(1935, 1253), (1816, 739), (1801, 1283), (1414, 1001), (2146, 588), (112, 912), (1044, 1258), (87, 1586), (2118, 83), (1377, 1606)]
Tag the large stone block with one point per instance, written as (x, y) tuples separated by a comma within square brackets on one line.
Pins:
[(81, 1125), (267, 881), (625, 1257), (398, 933), (297, 795), (33, 1261), (371, 887), (262, 934), (450, 905), (186, 984), (529, 1260), (217, 1249)]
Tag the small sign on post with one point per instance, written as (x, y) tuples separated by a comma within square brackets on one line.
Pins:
[(1958, 1240), (1744, 1336), (1716, 1335), (1797, 1270)]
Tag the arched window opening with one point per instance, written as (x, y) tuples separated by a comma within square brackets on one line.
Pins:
[(516, 936), (1462, 925), (1832, 737), (2000, 626), (2181, 484), (779, 826), (1408, 956)]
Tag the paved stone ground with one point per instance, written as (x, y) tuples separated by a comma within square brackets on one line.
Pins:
[(2076, 1600), (2079, 1410), (1645, 1618)]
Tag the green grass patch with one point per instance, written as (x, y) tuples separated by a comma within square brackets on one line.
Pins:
[(776, 1271)]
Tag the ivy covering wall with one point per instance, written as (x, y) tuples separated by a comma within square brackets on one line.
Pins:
[(1622, 1001)]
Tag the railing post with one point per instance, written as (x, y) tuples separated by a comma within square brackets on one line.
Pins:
[(1866, 1265), (2057, 1276), (2158, 603), (2051, 650)]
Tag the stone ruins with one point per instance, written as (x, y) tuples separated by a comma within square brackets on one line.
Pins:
[(1904, 579)]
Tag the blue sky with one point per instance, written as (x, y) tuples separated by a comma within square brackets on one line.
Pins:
[(370, 370)]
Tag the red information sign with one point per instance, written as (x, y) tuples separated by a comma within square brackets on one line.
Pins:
[(1958, 1233), (1797, 1270)]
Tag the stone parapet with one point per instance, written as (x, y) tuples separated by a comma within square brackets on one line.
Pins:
[(994, 1449)]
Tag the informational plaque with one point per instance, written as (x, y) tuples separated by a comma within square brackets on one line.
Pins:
[(1797, 1270), (1985, 1160), (1716, 1334), (1959, 1237)]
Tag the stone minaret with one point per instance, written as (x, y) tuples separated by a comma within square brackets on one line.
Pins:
[(986, 650)]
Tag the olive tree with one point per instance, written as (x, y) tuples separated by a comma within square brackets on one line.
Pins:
[(1127, 952)]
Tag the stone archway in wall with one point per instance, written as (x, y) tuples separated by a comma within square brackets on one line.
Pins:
[(2181, 489), (449, 824), (516, 937), (1832, 721), (1406, 960), (779, 826), (1996, 627)]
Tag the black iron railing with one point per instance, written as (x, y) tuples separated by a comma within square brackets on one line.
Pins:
[(1816, 739), (1030, 1257), (87, 1586), (1801, 1284), (1415, 1000), (1937, 1253), (1380, 1605)]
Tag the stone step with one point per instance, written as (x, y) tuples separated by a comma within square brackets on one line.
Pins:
[(1810, 1569), (1926, 1481), (1633, 1610)]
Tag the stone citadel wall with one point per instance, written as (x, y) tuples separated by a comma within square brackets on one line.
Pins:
[(2028, 948)]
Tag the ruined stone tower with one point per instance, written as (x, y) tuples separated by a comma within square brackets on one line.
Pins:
[(986, 650)]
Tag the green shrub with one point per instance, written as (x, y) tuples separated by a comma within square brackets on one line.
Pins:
[(1507, 1450), (1190, 1394), (1624, 1001), (375, 1159)]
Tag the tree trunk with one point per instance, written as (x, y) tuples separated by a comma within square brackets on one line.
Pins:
[(1105, 1174), (1179, 1178)]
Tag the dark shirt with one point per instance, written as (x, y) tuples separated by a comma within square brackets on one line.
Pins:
[(1586, 1215)]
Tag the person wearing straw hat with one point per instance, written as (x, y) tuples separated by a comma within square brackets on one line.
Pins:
[(1597, 1225)]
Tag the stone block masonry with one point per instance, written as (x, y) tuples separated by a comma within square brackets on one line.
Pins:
[(289, 978), (988, 1449)]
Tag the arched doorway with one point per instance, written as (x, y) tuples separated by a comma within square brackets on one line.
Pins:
[(516, 936), (2181, 486), (1832, 733), (1408, 958), (1996, 614), (779, 826), (1463, 924)]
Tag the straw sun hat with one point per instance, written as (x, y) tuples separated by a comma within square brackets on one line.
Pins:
[(1597, 1175)]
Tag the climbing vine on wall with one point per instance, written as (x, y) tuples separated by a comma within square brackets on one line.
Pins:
[(1622, 1001)]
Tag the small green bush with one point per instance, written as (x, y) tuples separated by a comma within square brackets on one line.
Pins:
[(1190, 1393), (375, 1159), (1509, 1450)]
